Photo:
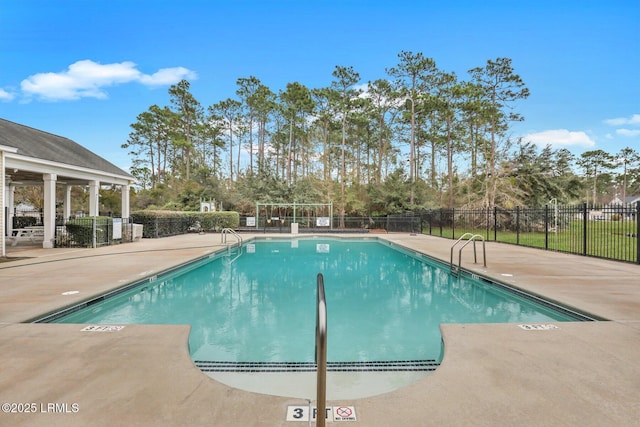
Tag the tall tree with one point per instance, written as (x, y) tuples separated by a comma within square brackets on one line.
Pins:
[(297, 103), (541, 176), (325, 100), (447, 102), (595, 162), (189, 116), (383, 102), (474, 106), (627, 157), (212, 144), (501, 88), (568, 183), (264, 101), (345, 80), (413, 76), (248, 88), (149, 143), (228, 111)]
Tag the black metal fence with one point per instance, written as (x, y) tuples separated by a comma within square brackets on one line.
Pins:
[(24, 218), (75, 232), (351, 224), (92, 232), (167, 226), (607, 231)]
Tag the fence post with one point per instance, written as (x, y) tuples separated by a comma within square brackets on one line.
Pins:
[(638, 232), (453, 223), (495, 223), (517, 225), (546, 227), (585, 217), (487, 222), (441, 215)]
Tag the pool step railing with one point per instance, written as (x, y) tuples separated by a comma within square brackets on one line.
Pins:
[(321, 350), (226, 231), (455, 270), (358, 366)]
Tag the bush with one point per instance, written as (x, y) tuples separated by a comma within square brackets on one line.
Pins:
[(162, 223), (215, 221), (81, 230)]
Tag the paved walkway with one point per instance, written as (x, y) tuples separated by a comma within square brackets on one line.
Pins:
[(580, 374)]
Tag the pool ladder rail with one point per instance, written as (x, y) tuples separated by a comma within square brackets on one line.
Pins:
[(226, 231), (455, 270), (321, 351)]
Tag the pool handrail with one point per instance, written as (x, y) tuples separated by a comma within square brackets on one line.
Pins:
[(226, 231), (321, 353), (472, 238)]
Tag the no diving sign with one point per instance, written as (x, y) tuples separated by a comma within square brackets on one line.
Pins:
[(333, 413), (344, 413)]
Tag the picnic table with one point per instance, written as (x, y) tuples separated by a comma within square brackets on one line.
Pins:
[(33, 234)]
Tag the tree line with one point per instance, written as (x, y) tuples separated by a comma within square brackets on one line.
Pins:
[(421, 137)]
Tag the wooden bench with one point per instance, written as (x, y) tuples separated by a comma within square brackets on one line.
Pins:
[(31, 234)]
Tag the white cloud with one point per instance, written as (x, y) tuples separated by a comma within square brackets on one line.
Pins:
[(633, 120), (559, 138), (5, 96), (88, 79), (167, 76), (363, 87), (628, 132)]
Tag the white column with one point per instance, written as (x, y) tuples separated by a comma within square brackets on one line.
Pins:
[(125, 201), (67, 203), (3, 199), (49, 209), (10, 204), (94, 193)]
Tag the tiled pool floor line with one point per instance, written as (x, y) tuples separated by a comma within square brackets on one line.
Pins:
[(578, 374)]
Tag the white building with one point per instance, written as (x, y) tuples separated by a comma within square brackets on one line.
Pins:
[(33, 157)]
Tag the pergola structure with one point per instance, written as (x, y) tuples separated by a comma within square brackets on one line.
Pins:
[(33, 157), (326, 221)]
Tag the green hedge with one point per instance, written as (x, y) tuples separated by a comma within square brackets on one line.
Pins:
[(160, 223), (81, 230)]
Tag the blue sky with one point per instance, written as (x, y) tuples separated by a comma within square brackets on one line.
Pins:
[(84, 69)]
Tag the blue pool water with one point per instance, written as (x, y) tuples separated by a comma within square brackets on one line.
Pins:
[(383, 304)]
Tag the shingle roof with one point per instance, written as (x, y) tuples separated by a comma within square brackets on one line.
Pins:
[(631, 199), (46, 146)]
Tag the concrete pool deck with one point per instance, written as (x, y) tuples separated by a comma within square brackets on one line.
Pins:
[(580, 374)]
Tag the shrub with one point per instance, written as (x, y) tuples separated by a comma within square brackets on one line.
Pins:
[(81, 230), (162, 223)]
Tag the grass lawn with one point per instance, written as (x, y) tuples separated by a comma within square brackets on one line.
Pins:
[(604, 239)]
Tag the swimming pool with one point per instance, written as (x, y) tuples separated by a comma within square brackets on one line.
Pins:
[(253, 310)]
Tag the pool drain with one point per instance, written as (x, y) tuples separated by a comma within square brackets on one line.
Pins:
[(378, 366)]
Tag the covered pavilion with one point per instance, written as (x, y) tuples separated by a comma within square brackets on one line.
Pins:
[(33, 157)]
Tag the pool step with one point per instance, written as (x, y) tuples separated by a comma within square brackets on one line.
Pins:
[(381, 366)]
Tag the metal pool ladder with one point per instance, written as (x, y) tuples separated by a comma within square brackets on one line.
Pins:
[(227, 231), (321, 354), (472, 238)]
